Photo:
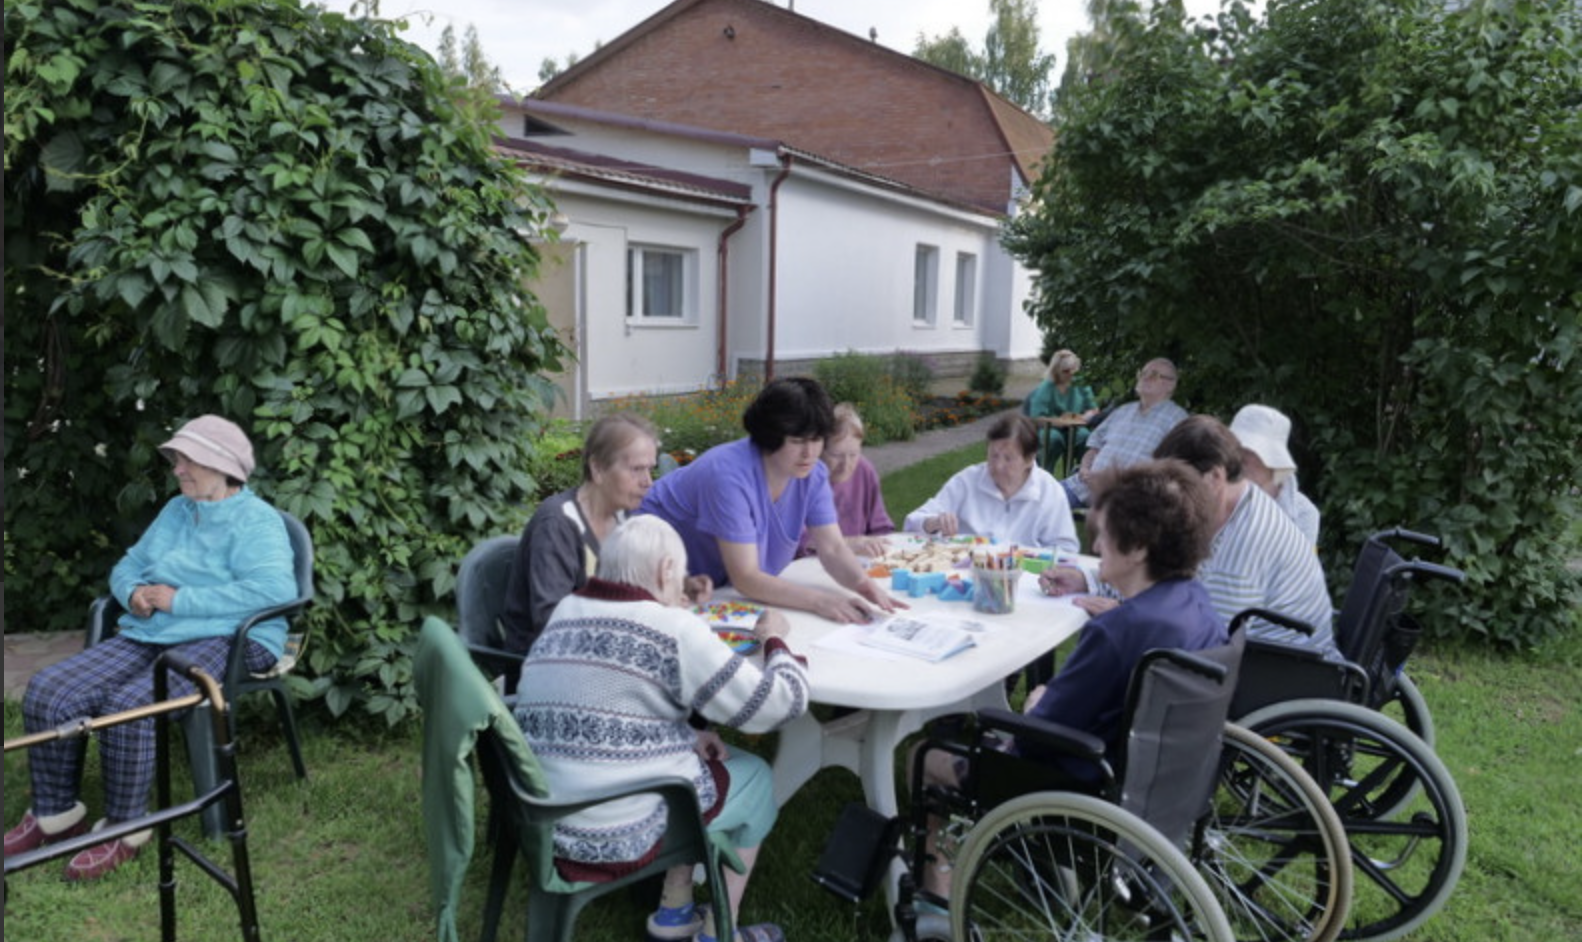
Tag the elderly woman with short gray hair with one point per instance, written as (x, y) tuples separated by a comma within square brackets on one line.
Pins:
[(605, 698)]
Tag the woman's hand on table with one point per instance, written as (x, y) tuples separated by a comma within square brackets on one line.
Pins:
[(869, 546), (874, 593), (841, 609), (698, 589), (771, 624), (1062, 580), (944, 524)]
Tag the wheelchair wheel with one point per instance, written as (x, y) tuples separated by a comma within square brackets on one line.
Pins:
[(1400, 808), (1407, 707), (1056, 865), (1272, 848)]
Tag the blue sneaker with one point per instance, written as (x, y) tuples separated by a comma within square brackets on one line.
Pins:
[(673, 923)]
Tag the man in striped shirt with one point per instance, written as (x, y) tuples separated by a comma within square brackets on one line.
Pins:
[(1259, 558)]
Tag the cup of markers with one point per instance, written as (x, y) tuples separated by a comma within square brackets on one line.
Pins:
[(994, 577)]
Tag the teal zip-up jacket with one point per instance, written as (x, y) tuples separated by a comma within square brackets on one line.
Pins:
[(227, 559)]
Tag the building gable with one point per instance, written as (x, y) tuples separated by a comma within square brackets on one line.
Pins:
[(754, 68)]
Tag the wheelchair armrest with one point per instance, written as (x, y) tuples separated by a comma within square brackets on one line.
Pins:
[(1436, 571), (1401, 533), (1192, 662), (1056, 736), (1284, 621)]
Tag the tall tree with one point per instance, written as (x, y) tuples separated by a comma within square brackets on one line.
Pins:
[(1368, 214), (480, 72), (1011, 62), (951, 51), (291, 218)]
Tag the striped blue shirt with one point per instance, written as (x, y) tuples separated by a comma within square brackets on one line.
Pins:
[(1259, 559)]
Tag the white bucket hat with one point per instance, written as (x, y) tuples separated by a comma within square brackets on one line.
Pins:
[(216, 443), (1264, 432)]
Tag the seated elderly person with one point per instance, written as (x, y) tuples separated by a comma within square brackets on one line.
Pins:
[(1258, 558), (1150, 525), (1267, 462), (1058, 396), (1131, 432), (854, 486), (1007, 498), (216, 554), (741, 508), (605, 697), (559, 548)]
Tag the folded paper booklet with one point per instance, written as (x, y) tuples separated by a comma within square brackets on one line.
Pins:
[(921, 636)]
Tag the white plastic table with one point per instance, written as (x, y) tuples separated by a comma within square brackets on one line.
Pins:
[(895, 695)]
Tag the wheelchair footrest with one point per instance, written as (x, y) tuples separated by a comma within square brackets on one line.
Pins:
[(857, 852)]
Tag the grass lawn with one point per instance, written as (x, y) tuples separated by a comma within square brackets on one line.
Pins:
[(340, 857)]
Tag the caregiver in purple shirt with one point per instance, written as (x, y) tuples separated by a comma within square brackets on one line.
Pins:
[(741, 507)]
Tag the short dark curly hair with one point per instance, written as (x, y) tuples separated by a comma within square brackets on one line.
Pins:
[(1203, 442), (1162, 506), (794, 407)]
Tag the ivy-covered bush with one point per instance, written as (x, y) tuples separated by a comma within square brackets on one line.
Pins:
[(287, 217)]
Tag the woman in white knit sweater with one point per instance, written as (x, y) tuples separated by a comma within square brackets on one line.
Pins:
[(606, 696)]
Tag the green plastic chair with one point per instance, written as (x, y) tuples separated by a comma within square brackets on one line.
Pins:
[(462, 713)]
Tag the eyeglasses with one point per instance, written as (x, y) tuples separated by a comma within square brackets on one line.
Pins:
[(1155, 374)]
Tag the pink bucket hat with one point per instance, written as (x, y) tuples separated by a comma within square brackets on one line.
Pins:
[(214, 442), (1264, 432)]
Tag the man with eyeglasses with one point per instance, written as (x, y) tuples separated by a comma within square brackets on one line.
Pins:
[(1132, 432)]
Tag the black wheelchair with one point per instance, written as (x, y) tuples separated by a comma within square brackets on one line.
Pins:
[(1361, 729), (1160, 848)]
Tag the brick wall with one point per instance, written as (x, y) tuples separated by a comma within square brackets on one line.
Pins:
[(782, 76)]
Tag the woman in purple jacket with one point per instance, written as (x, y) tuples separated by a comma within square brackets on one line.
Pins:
[(854, 486), (742, 507)]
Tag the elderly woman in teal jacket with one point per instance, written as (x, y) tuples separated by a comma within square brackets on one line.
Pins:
[(216, 554)]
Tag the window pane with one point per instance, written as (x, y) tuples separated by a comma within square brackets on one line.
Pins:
[(924, 278), (662, 288), (966, 286)]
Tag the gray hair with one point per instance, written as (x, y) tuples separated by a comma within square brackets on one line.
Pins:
[(1062, 360), (634, 550), (847, 422)]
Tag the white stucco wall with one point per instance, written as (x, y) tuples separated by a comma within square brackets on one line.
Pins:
[(626, 356), (846, 276)]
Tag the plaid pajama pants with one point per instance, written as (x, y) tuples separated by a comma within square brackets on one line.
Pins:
[(112, 676)]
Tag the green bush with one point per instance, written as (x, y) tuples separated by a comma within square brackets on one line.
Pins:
[(851, 376), (988, 376), (914, 376), (875, 387), (557, 461), (1369, 215), (888, 413), (690, 425)]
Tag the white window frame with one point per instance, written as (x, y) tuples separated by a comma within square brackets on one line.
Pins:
[(639, 257), (966, 289), (925, 285)]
